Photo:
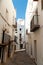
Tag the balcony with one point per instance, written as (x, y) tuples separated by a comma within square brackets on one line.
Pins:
[(34, 25), (14, 25)]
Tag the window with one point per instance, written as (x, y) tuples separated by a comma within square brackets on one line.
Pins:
[(20, 38), (20, 29), (15, 29), (13, 19), (42, 4), (6, 14), (6, 11)]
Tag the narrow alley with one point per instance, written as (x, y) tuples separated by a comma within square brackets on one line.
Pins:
[(20, 58), (21, 32)]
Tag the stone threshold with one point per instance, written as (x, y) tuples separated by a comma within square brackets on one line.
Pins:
[(20, 50)]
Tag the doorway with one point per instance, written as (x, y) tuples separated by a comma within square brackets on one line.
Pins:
[(0, 54), (35, 50), (20, 36), (21, 46)]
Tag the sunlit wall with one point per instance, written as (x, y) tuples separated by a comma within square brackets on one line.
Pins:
[(31, 7)]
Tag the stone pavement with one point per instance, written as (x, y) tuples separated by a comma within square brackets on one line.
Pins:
[(20, 58)]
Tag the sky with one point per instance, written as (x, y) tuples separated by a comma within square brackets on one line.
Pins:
[(20, 6)]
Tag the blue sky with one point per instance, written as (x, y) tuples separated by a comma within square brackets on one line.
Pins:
[(20, 6)]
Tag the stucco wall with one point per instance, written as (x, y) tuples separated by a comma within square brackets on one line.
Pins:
[(38, 36), (7, 5)]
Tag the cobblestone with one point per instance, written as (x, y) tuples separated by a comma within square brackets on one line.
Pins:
[(20, 58)]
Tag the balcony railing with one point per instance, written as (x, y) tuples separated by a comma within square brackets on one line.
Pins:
[(14, 25), (34, 25)]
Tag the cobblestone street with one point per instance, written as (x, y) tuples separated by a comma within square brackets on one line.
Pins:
[(20, 58)]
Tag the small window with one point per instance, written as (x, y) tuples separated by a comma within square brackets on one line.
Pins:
[(13, 19), (6, 14), (15, 29), (6, 11), (20, 29), (42, 4), (20, 38)]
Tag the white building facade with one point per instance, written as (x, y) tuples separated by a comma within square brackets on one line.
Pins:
[(20, 34), (7, 19), (36, 28)]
